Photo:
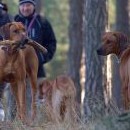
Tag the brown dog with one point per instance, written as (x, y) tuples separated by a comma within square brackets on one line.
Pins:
[(59, 97), (17, 63), (118, 44)]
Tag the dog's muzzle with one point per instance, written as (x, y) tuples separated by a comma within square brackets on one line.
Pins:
[(100, 51)]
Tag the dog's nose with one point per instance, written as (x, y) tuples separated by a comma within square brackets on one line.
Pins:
[(24, 34), (99, 52)]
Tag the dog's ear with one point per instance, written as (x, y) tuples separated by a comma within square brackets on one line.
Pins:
[(107, 35), (45, 86), (5, 31), (120, 37)]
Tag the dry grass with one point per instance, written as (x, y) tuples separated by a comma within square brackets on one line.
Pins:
[(108, 122), (41, 123)]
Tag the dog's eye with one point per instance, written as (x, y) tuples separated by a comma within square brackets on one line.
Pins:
[(16, 31), (23, 30), (108, 41)]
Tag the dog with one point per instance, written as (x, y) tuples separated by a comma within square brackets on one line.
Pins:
[(118, 44), (58, 95), (18, 61)]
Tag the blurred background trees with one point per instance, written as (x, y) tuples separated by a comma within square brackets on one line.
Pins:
[(76, 43)]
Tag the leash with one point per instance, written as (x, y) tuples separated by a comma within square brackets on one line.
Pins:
[(31, 23)]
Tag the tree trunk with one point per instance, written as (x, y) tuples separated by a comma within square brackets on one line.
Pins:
[(75, 37), (122, 16), (94, 25)]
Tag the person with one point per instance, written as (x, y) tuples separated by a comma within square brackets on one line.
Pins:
[(40, 30), (4, 18)]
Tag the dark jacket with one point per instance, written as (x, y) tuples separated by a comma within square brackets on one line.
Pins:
[(42, 32), (3, 20)]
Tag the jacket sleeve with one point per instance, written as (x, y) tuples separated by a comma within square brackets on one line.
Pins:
[(49, 41)]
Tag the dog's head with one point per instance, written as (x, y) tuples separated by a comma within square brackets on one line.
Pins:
[(16, 31), (113, 42), (13, 31), (44, 90)]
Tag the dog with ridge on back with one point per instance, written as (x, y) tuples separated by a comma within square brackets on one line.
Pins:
[(118, 43), (59, 96), (18, 60)]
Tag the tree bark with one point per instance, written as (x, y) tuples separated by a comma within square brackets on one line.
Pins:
[(94, 25), (122, 16), (75, 37)]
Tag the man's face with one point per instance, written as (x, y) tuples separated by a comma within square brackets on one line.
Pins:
[(26, 9)]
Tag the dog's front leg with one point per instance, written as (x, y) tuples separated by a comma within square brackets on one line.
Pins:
[(33, 79), (125, 97), (14, 89), (22, 96), (57, 98)]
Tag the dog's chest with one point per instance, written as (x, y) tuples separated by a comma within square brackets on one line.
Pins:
[(7, 72), (56, 98)]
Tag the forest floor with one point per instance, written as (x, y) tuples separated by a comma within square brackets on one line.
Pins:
[(110, 122)]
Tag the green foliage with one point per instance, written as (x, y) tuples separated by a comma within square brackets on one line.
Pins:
[(57, 12), (13, 6), (111, 11), (58, 65)]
